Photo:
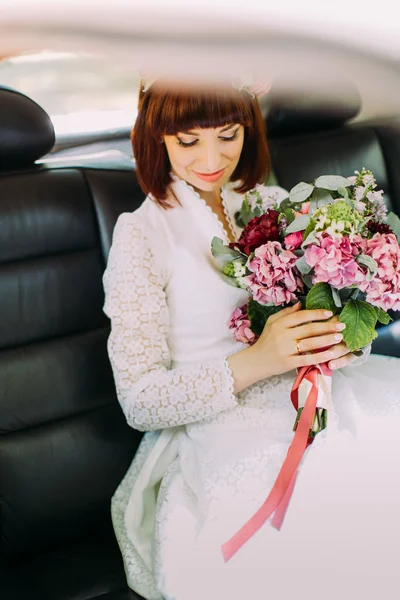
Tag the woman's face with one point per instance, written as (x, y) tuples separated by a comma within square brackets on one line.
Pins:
[(206, 158)]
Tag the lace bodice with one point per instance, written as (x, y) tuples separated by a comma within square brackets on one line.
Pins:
[(169, 309)]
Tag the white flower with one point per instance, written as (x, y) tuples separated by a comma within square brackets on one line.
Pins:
[(271, 195), (369, 180), (360, 207), (359, 192), (375, 196), (239, 269), (253, 199), (352, 179)]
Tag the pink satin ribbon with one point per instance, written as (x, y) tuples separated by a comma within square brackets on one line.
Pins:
[(279, 497)]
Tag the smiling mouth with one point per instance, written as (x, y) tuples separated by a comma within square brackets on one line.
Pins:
[(211, 176)]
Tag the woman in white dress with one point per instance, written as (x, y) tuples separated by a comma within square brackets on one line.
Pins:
[(217, 414)]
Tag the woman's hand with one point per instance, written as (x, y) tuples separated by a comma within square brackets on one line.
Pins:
[(294, 338), (291, 338)]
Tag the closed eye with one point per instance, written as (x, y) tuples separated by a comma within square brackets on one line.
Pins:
[(231, 138)]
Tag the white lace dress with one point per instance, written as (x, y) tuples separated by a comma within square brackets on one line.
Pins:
[(209, 457)]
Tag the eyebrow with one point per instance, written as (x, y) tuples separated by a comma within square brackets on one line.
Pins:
[(226, 128)]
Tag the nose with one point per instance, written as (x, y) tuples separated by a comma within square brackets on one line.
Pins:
[(213, 156)]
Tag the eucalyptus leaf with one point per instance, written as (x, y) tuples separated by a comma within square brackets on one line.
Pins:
[(320, 296), (343, 192), (332, 182), (299, 224), (307, 280), (360, 319), (303, 266), (336, 298), (320, 198), (224, 253), (394, 223), (369, 262), (310, 239), (301, 192), (231, 280)]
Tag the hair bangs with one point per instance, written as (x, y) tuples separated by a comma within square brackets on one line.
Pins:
[(184, 112)]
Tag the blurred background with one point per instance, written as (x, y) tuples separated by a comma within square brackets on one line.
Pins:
[(81, 60)]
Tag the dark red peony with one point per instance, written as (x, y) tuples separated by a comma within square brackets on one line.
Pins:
[(259, 231), (375, 227)]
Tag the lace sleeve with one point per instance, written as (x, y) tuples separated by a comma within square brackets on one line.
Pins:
[(151, 394)]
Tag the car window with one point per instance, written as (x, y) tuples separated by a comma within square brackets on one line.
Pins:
[(83, 94)]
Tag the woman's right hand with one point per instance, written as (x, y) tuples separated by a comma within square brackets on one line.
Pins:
[(312, 332)]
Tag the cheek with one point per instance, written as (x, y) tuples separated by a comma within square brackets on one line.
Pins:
[(180, 157), (234, 150)]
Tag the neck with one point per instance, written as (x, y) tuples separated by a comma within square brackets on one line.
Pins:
[(211, 198)]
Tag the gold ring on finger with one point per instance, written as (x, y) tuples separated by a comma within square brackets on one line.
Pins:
[(299, 351)]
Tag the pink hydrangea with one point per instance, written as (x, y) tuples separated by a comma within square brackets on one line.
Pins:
[(384, 289), (240, 324), (274, 277), (333, 261)]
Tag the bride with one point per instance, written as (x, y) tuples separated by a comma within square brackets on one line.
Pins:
[(217, 414)]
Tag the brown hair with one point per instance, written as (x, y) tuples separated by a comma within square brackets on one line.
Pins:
[(167, 111)]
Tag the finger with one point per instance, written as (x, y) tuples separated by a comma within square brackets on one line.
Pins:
[(345, 360), (284, 312), (339, 350), (313, 358), (317, 343), (314, 329), (306, 316)]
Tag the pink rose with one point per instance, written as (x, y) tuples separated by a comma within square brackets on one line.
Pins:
[(294, 240), (305, 207)]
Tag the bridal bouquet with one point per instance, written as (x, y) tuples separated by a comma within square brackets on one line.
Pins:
[(332, 245)]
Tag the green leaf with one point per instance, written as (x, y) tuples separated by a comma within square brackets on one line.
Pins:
[(320, 198), (394, 223), (301, 192), (258, 315), (332, 182), (343, 192), (238, 220), (224, 253), (246, 213), (303, 266), (290, 216), (309, 229), (298, 224), (336, 298), (382, 316), (307, 280), (360, 319), (320, 296), (369, 262)]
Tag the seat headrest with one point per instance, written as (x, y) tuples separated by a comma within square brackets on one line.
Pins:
[(310, 110), (26, 131)]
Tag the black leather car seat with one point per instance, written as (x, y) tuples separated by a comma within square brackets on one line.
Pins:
[(64, 443)]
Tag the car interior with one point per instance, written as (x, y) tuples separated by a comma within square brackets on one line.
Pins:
[(64, 443)]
